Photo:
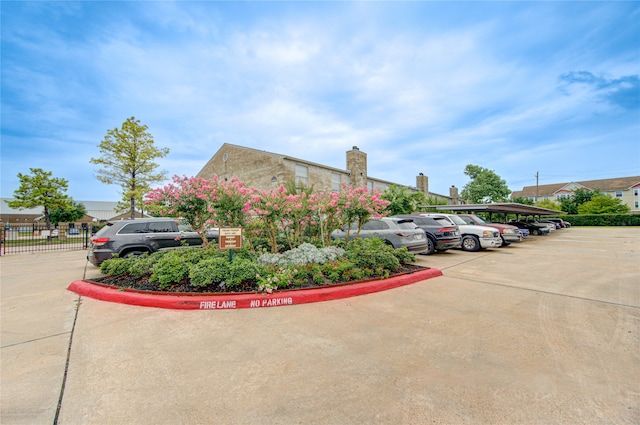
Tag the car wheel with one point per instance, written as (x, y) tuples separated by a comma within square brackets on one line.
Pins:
[(535, 232), (470, 243), (505, 243), (431, 247)]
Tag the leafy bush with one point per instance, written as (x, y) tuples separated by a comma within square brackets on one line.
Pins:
[(115, 266), (143, 264), (372, 253), (602, 219), (335, 270), (242, 270), (209, 271), (281, 277), (364, 258), (304, 254), (171, 268), (404, 256)]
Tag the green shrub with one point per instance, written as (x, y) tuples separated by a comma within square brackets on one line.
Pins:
[(602, 219), (115, 266), (335, 270), (173, 266), (209, 271), (302, 255), (372, 252), (242, 270), (404, 256), (143, 264), (278, 278)]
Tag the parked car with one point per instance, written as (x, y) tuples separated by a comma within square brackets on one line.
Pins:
[(549, 224), (474, 237), (533, 229), (563, 224), (137, 236), (508, 232), (397, 232), (439, 237)]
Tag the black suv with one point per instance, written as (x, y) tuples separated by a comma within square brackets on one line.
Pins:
[(137, 236), (440, 237)]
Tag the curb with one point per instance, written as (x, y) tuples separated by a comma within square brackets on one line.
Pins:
[(231, 301)]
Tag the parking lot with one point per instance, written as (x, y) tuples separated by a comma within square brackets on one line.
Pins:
[(546, 331)]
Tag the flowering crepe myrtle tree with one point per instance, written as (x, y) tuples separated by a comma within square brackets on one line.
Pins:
[(296, 218), (325, 213), (267, 206), (359, 205), (186, 198), (201, 203), (204, 203)]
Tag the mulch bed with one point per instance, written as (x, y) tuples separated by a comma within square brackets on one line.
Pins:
[(142, 283)]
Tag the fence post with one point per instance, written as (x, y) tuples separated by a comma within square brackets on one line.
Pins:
[(85, 229)]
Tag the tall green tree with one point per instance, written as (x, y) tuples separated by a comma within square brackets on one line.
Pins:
[(522, 200), (74, 211), (578, 197), (603, 204), (127, 159), (40, 189), (549, 204), (485, 186), (402, 200)]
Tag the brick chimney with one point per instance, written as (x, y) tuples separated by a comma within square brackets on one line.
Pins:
[(422, 183), (453, 193), (357, 166)]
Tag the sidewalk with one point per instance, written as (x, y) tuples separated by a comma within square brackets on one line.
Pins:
[(37, 314), (545, 331)]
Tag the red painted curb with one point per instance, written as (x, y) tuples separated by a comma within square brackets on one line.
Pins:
[(246, 300)]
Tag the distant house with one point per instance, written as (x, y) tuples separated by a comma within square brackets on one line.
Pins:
[(96, 211), (624, 188), (267, 170)]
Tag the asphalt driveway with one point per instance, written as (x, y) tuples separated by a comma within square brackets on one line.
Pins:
[(545, 331)]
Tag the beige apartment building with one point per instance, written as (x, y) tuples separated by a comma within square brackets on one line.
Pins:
[(266, 170), (624, 188)]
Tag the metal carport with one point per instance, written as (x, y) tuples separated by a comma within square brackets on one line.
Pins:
[(501, 208)]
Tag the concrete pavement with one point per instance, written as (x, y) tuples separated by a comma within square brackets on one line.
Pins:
[(546, 331)]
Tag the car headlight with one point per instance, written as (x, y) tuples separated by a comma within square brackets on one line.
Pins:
[(487, 234), (509, 231)]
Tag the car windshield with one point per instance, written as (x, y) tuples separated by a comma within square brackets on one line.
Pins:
[(467, 220), (480, 220), (457, 220), (407, 225)]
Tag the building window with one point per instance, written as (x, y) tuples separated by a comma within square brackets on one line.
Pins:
[(636, 204), (335, 182), (618, 194), (302, 175), (370, 186), (635, 192), (563, 196)]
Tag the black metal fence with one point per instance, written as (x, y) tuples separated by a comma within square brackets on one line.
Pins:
[(20, 238)]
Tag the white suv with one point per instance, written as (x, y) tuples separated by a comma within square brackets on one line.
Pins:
[(474, 237)]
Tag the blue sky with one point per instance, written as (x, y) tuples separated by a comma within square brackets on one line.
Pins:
[(421, 87)]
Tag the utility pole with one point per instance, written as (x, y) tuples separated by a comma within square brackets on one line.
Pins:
[(537, 173)]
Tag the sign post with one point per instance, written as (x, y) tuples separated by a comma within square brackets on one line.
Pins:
[(230, 238)]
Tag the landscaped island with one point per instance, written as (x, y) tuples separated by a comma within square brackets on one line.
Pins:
[(207, 270)]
